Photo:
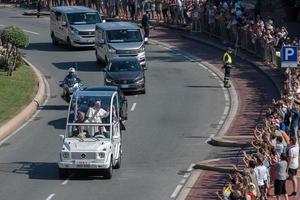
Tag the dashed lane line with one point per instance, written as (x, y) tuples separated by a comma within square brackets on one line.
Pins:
[(50, 196), (27, 31), (133, 107), (67, 180)]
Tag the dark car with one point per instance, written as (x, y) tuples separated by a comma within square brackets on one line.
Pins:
[(122, 97), (126, 73)]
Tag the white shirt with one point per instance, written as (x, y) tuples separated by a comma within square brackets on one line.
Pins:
[(261, 173), (95, 115), (294, 156), (278, 148)]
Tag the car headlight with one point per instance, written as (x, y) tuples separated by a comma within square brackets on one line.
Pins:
[(142, 49), (111, 50), (74, 31), (65, 155), (140, 81), (108, 80), (101, 155)]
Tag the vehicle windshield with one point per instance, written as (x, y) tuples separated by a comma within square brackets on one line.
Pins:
[(119, 36), (91, 110), (88, 131), (83, 18), (124, 66)]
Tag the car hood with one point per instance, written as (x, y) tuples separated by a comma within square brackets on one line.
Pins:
[(124, 75), (84, 27), (87, 144), (126, 45)]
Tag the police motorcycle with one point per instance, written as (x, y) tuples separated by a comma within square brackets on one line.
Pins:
[(70, 85)]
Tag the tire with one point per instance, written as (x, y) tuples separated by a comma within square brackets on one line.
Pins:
[(118, 164), (54, 41), (62, 173), (108, 172)]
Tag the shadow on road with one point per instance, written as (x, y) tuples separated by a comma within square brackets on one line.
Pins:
[(58, 123), (45, 171), (47, 46), (203, 86), (54, 107), (86, 66)]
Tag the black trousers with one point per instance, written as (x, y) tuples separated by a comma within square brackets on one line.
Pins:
[(147, 30)]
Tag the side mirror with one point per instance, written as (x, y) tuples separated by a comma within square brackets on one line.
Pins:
[(62, 137)]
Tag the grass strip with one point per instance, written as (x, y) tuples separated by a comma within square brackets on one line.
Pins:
[(16, 92)]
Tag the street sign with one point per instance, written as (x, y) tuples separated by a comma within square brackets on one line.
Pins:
[(289, 56)]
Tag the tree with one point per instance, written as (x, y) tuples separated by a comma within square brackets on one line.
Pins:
[(13, 38)]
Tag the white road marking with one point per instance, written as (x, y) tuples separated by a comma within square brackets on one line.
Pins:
[(67, 180), (226, 97), (191, 167), (226, 109), (186, 175), (221, 122), (35, 33), (206, 141), (133, 107), (176, 191), (50, 196), (182, 181)]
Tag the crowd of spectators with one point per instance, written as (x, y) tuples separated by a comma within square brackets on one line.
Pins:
[(276, 150)]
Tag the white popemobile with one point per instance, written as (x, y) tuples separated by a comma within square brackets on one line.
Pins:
[(93, 136)]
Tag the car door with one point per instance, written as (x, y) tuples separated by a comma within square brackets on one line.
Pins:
[(116, 132), (58, 29), (99, 43)]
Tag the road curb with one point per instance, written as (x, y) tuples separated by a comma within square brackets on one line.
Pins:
[(219, 141), (34, 13), (204, 165), (17, 121)]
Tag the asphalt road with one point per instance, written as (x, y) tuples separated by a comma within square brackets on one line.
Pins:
[(166, 131)]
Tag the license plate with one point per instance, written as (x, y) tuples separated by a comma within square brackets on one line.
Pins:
[(124, 86), (82, 163)]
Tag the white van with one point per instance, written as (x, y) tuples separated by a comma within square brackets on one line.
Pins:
[(119, 39), (73, 25)]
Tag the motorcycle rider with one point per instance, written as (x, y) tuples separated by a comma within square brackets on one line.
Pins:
[(70, 77)]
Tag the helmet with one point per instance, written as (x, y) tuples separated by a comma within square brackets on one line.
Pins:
[(71, 70)]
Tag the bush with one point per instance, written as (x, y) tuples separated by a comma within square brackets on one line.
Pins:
[(12, 38), (15, 36)]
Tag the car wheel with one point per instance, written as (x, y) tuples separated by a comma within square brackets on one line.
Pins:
[(62, 173), (108, 172), (54, 40), (118, 164)]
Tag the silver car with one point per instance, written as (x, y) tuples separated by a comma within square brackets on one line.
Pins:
[(73, 25), (119, 39)]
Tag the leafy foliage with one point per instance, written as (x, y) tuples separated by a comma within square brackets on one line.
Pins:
[(15, 36)]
